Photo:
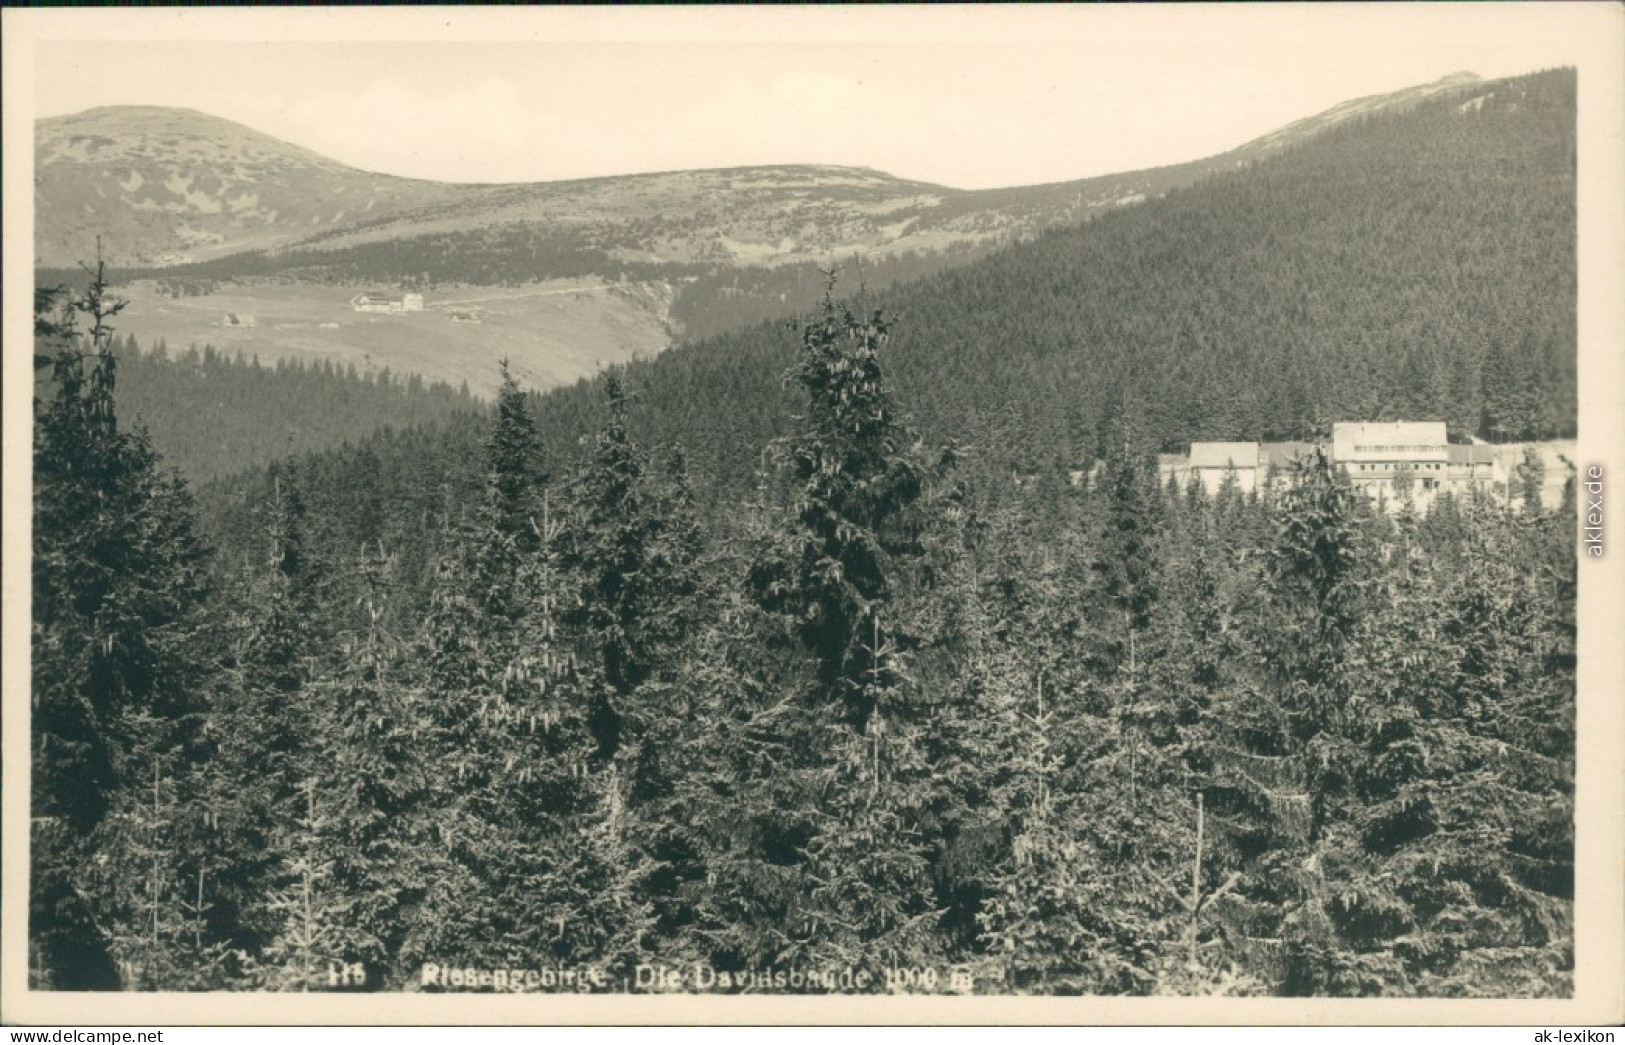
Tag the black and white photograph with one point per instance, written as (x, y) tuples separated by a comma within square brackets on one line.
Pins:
[(889, 514)]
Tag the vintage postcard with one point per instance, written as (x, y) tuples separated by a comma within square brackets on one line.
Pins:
[(1056, 514)]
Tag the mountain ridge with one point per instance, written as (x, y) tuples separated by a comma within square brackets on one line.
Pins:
[(184, 186)]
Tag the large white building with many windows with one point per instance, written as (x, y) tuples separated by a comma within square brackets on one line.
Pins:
[(1382, 455), (1390, 461)]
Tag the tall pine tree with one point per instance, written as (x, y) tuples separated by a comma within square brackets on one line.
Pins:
[(117, 582)]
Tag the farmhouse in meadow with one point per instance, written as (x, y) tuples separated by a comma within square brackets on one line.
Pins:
[(385, 301)]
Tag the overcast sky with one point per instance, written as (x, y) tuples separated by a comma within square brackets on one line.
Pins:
[(970, 97)]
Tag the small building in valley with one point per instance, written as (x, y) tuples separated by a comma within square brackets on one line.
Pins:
[(385, 301)]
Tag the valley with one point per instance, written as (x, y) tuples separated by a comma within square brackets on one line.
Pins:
[(554, 333)]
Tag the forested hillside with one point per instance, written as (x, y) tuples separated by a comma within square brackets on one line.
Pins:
[(213, 415), (1409, 266), (724, 300)]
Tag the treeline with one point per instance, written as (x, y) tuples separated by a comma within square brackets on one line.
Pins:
[(1110, 738), (214, 414), (499, 255)]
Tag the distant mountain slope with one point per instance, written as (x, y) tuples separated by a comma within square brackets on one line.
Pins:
[(1399, 266), (164, 186), (169, 186), (1397, 101)]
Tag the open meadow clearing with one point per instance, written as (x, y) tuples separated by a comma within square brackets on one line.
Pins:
[(553, 333)]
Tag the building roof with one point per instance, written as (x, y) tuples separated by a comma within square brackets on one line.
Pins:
[(1389, 433), (1224, 455), (1281, 454)]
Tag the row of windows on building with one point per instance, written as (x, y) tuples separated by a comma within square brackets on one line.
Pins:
[(1386, 448), (1423, 466)]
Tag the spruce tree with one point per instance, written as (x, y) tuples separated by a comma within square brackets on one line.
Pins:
[(117, 582), (630, 557), (631, 550), (1529, 478), (1321, 577), (1128, 548), (355, 852), (843, 816), (534, 860), (512, 455), (857, 476), (258, 777), (738, 808)]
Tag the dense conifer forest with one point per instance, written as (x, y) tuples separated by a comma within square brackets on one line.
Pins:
[(800, 651), (215, 415), (1117, 739)]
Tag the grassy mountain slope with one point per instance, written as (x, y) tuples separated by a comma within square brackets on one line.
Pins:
[(555, 333), (561, 278), (162, 186), (168, 186)]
